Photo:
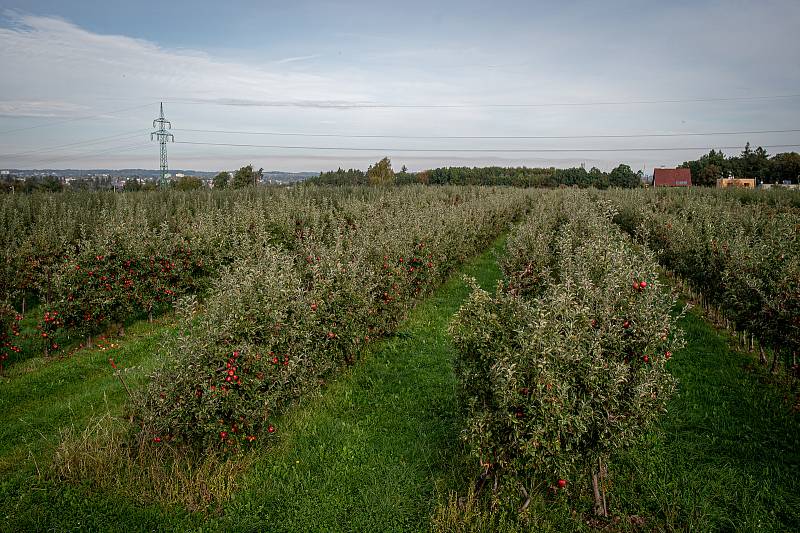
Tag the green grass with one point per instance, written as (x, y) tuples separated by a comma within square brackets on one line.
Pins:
[(39, 397), (378, 448), (727, 456)]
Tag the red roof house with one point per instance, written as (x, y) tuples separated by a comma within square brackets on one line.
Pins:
[(672, 177)]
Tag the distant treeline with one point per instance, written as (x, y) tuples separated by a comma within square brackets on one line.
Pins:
[(11, 184), (381, 173), (749, 164), (30, 184), (705, 172)]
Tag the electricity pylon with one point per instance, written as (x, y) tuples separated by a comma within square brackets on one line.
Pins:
[(162, 136)]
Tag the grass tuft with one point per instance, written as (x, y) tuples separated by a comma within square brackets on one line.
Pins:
[(107, 456)]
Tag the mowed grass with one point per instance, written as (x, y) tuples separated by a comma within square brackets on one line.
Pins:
[(727, 454), (378, 449), (41, 397)]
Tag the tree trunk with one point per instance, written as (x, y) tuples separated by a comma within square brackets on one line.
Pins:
[(482, 481), (774, 361), (599, 491), (762, 356)]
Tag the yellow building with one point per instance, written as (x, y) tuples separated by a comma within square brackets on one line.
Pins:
[(745, 183)]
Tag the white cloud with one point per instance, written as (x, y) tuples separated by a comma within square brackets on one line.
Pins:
[(297, 59), (39, 108), (50, 55), (54, 69)]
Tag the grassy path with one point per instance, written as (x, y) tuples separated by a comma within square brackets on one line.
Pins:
[(40, 396), (728, 453), (373, 453)]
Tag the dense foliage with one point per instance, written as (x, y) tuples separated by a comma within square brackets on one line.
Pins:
[(284, 316), (97, 260), (567, 362), (621, 176), (9, 330), (749, 164), (744, 259), (340, 177)]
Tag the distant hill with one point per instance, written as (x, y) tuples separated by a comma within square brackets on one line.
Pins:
[(274, 175)]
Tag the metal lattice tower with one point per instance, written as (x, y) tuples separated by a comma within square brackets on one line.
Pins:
[(162, 136)]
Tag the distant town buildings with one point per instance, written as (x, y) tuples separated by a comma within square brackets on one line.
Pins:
[(672, 177)]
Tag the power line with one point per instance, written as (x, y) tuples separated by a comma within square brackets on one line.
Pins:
[(133, 133), (123, 148), (422, 137), (482, 150), (97, 140), (379, 105), (76, 119)]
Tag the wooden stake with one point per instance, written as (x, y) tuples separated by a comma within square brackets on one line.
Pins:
[(603, 473)]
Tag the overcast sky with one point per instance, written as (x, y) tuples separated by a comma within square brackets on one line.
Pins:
[(81, 81)]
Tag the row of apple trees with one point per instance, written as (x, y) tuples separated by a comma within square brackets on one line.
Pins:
[(744, 259), (89, 261), (281, 320), (567, 361)]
